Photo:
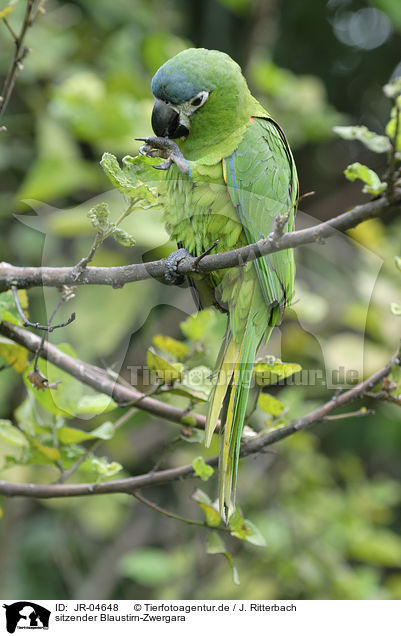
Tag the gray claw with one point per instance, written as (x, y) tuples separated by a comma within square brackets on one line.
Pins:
[(171, 274), (165, 148), (165, 165)]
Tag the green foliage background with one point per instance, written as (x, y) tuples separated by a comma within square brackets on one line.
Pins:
[(328, 502)]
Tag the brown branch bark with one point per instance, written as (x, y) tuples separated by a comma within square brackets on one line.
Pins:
[(25, 277), (256, 445)]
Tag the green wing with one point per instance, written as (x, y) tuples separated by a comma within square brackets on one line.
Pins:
[(262, 183)]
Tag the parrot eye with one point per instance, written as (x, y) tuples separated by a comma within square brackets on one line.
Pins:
[(200, 99)]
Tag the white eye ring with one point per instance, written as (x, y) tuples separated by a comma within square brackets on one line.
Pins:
[(199, 99)]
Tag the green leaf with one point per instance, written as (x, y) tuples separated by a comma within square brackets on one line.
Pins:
[(104, 431), (96, 403), (392, 125), (270, 404), (122, 237), (165, 371), (254, 535), (101, 467), (178, 349), (244, 529), (12, 435), (237, 525), (397, 260), (14, 354), (202, 470), (201, 497), (49, 453), (395, 309), (212, 516), (198, 326), (195, 383), (373, 185), (69, 435), (99, 216), (270, 370), (215, 545), (376, 143), (126, 180)]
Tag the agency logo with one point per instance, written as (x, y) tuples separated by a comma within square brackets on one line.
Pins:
[(26, 615)]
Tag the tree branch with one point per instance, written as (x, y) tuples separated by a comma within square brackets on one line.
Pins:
[(256, 445), (97, 378), (25, 277)]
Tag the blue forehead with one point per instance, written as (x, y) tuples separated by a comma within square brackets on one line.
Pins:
[(173, 85)]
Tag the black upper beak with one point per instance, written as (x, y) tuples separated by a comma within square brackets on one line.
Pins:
[(166, 123)]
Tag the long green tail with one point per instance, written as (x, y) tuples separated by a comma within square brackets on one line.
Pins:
[(232, 382)]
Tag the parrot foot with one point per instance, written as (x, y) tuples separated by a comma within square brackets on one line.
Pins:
[(171, 274), (165, 148)]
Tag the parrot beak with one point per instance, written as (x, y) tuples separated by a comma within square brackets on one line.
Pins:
[(166, 121)]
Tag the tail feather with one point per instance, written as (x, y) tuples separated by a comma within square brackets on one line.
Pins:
[(224, 369), (231, 388), (234, 421)]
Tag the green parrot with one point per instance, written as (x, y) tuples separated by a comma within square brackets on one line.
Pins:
[(228, 175)]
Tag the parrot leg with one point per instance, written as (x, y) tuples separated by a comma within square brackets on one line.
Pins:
[(171, 274), (165, 148)]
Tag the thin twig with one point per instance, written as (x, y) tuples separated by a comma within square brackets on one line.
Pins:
[(84, 262), (172, 515), (13, 33), (37, 325), (344, 416)]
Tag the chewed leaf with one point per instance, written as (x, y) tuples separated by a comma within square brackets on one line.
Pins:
[(376, 143), (127, 180), (271, 370), (373, 185)]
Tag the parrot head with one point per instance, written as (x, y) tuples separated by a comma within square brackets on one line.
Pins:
[(199, 92)]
